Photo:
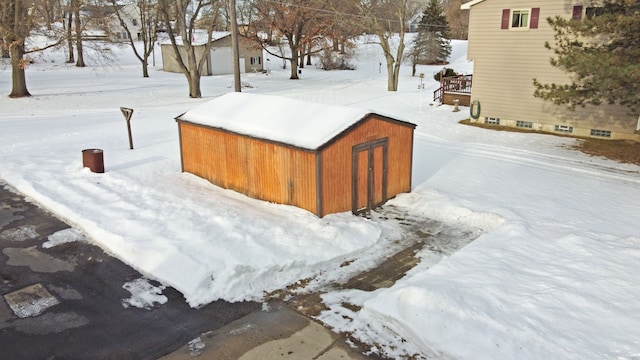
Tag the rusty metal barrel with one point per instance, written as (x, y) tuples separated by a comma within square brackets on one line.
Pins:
[(93, 159)]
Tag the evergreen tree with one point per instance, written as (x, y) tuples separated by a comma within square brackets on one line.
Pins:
[(432, 44), (602, 53)]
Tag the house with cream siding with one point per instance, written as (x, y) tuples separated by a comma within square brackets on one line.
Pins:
[(507, 45)]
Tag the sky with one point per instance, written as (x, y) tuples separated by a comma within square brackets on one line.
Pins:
[(550, 271)]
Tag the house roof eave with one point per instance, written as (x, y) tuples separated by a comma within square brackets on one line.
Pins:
[(468, 5)]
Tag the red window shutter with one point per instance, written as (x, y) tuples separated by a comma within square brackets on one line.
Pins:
[(535, 16), (577, 12), (505, 18)]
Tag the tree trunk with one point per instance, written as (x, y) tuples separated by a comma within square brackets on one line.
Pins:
[(235, 46), (396, 76), (392, 82), (294, 66), (71, 59), (390, 76), (309, 59), (78, 26), (193, 78), (145, 68), (301, 59), (19, 82)]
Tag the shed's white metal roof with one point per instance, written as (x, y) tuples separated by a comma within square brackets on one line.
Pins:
[(299, 123), (199, 37)]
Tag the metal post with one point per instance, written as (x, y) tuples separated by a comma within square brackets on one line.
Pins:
[(420, 88), (127, 116)]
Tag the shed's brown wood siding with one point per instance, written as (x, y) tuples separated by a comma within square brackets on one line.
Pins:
[(260, 169), (337, 161)]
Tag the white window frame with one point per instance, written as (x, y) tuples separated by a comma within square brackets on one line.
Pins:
[(567, 129), (521, 12)]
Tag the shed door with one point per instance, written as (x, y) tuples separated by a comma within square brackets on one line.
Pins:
[(369, 180)]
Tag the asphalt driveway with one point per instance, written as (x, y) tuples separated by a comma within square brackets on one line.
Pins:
[(68, 302)]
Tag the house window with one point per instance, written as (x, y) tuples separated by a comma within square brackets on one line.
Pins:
[(134, 22), (255, 60), (589, 13), (564, 129), (492, 120), (601, 133), (520, 18), (592, 12), (524, 124)]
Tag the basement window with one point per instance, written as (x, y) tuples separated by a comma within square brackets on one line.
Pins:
[(492, 120), (601, 133), (564, 129), (524, 124)]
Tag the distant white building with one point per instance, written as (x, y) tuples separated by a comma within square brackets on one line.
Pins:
[(102, 23), (219, 60)]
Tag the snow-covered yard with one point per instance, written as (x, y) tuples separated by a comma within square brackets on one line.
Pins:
[(554, 274)]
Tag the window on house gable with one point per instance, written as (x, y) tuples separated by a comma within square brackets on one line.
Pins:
[(255, 60), (592, 12), (520, 18), (134, 22)]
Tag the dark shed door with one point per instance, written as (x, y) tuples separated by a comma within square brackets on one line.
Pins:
[(369, 178)]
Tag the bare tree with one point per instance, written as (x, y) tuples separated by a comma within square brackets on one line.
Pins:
[(15, 25), (299, 22), (49, 11), (68, 21), (388, 19), (458, 19), (344, 28), (185, 13), (17, 22), (147, 15), (75, 8), (233, 19)]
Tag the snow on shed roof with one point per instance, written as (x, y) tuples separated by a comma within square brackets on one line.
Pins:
[(199, 37), (299, 123)]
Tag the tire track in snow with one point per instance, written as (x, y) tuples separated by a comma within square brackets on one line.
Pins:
[(534, 159)]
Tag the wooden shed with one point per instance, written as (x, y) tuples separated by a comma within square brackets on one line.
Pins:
[(321, 158)]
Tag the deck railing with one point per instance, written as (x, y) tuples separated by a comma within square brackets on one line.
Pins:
[(453, 84)]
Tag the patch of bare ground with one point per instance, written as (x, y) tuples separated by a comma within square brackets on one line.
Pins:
[(624, 151)]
